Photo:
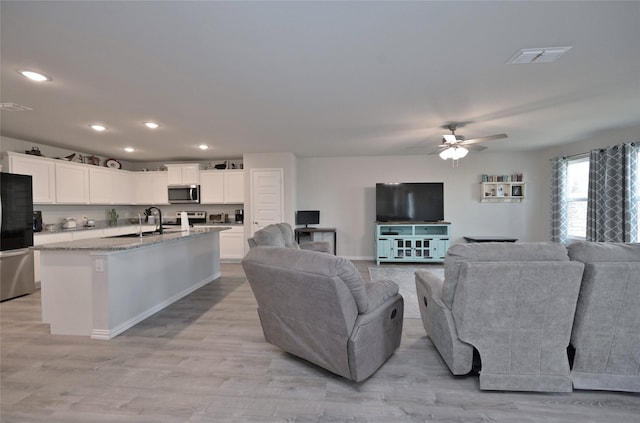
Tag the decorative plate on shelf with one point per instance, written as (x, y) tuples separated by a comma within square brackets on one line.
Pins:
[(112, 163)]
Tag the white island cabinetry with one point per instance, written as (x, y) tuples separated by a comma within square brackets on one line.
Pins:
[(102, 287)]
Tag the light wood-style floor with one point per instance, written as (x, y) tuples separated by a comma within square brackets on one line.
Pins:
[(204, 359)]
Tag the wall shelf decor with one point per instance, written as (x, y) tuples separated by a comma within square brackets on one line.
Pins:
[(502, 188)]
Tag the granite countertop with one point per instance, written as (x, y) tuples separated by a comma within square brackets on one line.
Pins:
[(127, 243), (101, 224), (125, 223)]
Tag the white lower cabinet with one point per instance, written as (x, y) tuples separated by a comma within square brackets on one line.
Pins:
[(232, 243), (46, 238)]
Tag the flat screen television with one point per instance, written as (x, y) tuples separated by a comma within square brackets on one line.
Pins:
[(410, 202), (307, 217)]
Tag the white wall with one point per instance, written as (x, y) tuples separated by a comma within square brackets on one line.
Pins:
[(343, 189)]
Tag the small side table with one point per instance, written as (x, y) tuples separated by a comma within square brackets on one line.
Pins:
[(489, 239), (311, 231)]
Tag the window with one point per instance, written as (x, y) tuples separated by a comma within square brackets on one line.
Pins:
[(577, 190)]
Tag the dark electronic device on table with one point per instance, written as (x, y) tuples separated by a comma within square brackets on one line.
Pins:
[(307, 217)]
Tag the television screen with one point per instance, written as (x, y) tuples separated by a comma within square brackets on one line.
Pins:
[(410, 202), (307, 217)]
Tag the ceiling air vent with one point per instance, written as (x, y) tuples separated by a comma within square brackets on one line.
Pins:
[(13, 107), (538, 55)]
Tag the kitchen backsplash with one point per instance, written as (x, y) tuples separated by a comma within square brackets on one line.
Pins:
[(56, 214)]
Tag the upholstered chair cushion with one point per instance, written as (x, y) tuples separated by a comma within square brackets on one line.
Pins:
[(269, 236), (497, 252), (590, 252)]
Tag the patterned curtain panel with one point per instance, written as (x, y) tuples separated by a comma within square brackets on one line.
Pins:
[(612, 204), (559, 219)]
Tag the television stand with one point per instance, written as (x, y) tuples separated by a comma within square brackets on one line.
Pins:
[(412, 242)]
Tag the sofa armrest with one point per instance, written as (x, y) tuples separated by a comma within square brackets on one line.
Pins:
[(437, 320), (432, 284), (376, 335), (321, 246), (380, 291)]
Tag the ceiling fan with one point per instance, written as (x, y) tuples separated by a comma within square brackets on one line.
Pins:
[(457, 146)]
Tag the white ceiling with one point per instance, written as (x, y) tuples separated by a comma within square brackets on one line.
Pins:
[(314, 78)]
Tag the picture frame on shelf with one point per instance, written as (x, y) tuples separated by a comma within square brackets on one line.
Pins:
[(516, 191)]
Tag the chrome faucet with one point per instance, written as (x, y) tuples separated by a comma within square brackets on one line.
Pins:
[(140, 224), (159, 224)]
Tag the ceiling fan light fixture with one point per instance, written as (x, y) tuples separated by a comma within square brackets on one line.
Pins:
[(453, 153)]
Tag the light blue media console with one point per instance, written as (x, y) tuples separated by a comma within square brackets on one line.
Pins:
[(412, 242)]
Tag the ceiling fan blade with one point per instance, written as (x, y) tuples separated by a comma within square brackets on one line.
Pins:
[(449, 138), (474, 147), (483, 139), (440, 148)]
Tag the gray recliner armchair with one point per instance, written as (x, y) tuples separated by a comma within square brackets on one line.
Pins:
[(317, 307), (606, 329), (281, 235), (513, 303)]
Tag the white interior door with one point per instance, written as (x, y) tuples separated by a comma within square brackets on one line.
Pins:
[(267, 202)]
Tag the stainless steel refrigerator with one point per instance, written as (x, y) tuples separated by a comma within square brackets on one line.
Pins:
[(16, 242)]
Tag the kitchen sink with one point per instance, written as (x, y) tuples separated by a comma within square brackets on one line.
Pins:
[(144, 234), (166, 230)]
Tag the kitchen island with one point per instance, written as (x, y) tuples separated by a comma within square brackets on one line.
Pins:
[(102, 287)]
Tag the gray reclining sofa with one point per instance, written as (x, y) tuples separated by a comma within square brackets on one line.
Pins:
[(606, 329), (513, 303)]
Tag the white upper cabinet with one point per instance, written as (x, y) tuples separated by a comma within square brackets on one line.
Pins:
[(234, 187), (222, 186), (110, 186), (151, 188), (72, 183), (212, 187), (183, 174), (42, 173)]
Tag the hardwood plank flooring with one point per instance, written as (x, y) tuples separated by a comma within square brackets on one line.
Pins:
[(204, 359)]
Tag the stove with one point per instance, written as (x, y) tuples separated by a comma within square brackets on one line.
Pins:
[(195, 217)]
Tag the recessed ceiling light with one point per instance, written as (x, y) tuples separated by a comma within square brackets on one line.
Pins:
[(151, 125), (129, 149), (34, 76), (203, 147), (98, 127)]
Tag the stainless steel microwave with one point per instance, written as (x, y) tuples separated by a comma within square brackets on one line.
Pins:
[(182, 194)]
